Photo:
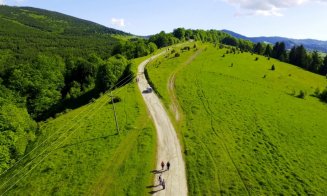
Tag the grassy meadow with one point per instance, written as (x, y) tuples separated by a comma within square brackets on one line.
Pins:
[(80, 152), (245, 131)]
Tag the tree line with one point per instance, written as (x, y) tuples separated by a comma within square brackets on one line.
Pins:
[(298, 55)]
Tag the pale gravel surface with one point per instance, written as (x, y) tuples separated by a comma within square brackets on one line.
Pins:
[(168, 145)]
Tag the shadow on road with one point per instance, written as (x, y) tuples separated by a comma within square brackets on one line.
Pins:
[(153, 192), (156, 171)]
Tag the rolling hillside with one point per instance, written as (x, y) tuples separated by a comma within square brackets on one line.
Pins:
[(80, 152), (245, 130), (27, 31), (49, 62)]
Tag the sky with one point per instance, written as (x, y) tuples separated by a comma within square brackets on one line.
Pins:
[(288, 18)]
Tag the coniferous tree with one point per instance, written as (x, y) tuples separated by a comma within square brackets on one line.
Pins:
[(315, 63), (258, 48), (268, 51), (323, 68), (292, 56), (279, 51), (301, 57)]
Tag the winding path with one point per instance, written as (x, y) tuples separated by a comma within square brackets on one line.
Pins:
[(169, 148)]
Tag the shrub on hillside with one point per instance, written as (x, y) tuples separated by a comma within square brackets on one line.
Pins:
[(177, 55), (323, 96), (273, 68), (301, 94), (256, 58)]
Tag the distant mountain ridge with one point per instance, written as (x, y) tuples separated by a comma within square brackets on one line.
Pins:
[(310, 44)]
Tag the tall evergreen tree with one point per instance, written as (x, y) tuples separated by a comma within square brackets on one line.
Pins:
[(323, 68), (268, 50), (301, 57), (292, 56), (258, 48), (315, 63), (279, 51)]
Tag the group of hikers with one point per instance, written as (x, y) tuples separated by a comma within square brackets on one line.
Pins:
[(161, 180)]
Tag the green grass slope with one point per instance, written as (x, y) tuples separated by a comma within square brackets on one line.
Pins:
[(80, 152), (244, 130)]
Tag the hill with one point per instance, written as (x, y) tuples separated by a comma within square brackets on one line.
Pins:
[(50, 63), (245, 129), (27, 31), (310, 44), (81, 153), (55, 22)]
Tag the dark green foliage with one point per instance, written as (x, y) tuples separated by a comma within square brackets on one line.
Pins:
[(323, 68), (186, 48), (177, 54), (40, 81), (115, 99), (301, 94), (259, 48), (256, 58), (17, 129), (298, 56), (323, 96), (268, 51), (279, 51), (108, 72), (135, 48), (315, 63), (162, 39), (273, 68), (179, 33), (212, 36), (229, 41)]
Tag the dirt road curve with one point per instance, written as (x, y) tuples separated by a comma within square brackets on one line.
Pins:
[(169, 148)]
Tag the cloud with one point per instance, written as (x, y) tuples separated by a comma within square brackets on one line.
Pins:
[(5, 2), (267, 7), (118, 22)]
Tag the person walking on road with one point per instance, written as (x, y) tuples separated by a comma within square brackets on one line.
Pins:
[(160, 179), (162, 165), (168, 165), (163, 184)]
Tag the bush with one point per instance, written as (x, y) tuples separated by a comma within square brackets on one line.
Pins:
[(256, 58), (301, 94), (115, 100), (323, 96), (316, 93), (273, 68), (177, 55)]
